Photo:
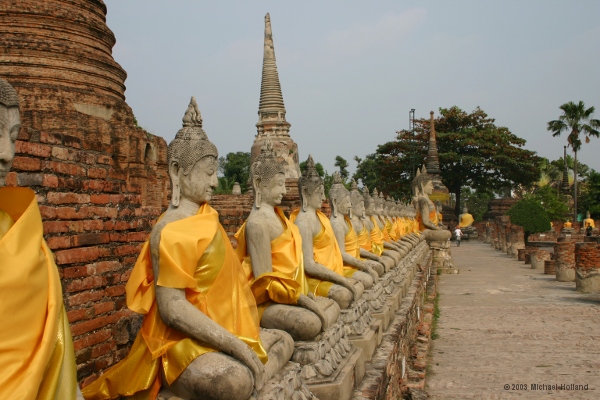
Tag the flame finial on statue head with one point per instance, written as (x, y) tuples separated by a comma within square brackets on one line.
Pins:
[(8, 94)]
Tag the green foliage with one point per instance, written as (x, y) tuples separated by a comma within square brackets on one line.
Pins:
[(342, 164), (577, 120), (590, 195), (551, 201), (530, 215), (473, 152), (235, 167), (476, 202)]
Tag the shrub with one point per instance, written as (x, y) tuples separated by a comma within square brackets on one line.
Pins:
[(530, 215)]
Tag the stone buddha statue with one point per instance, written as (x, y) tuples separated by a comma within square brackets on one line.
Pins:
[(200, 337), (427, 213), (323, 261), (270, 247), (383, 224), (465, 220), (364, 235), (36, 348), (378, 246), (347, 239)]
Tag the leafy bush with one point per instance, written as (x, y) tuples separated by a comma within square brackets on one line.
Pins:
[(530, 215)]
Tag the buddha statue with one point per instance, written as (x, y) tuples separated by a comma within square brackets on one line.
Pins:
[(380, 265), (347, 239), (36, 347), (270, 247), (588, 223), (323, 261), (378, 246), (200, 337), (380, 220), (465, 222), (427, 213)]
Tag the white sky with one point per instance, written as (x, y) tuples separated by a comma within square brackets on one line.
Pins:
[(350, 71)]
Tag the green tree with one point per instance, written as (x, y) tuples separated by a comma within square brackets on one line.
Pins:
[(577, 120), (552, 202), (342, 164), (590, 195), (318, 167), (234, 167), (530, 215), (473, 152), (476, 202)]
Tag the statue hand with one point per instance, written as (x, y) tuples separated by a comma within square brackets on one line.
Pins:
[(310, 303), (372, 273), (246, 355), (350, 286)]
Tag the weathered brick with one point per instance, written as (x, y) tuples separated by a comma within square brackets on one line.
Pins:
[(97, 173), (103, 348), (50, 181), (113, 291), (87, 239), (58, 242), (80, 314), (50, 138), (34, 149), (92, 339), (102, 308), (67, 198), (47, 212), (78, 255), (90, 282), (89, 325), (85, 297), (64, 168), (28, 179), (99, 198), (27, 164)]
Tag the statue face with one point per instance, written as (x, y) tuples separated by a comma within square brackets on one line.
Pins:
[(199, 183), (344, 205), (358, 209), (428, 187), (272, 192), (371, 209), (9, 129), (316, 198)]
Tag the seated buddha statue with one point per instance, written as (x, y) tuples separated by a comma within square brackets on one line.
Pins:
[(588, 222), (377, 243), (427, 213), (200, 337), (380, 220), (270, 247), (380, 265), (465, 221), (347, 239), (36, 349), (323, 261)]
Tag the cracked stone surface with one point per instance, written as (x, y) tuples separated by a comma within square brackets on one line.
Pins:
[(503, 323)]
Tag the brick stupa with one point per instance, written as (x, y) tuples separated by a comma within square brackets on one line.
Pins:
[(101, 181)]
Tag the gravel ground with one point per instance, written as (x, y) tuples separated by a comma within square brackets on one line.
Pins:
[(505, 327)]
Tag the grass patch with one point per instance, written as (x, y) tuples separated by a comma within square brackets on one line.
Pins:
[(436, 316)]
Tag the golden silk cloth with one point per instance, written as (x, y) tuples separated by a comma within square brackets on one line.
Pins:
[(433, 217), (326, 251), (364, 239), (37, 360), (351, 247), (589, 222), (287, 281), (376, 238), (465, 220), (195, 255), (391, 230)]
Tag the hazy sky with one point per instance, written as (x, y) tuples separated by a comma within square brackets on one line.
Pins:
[(350, 71)]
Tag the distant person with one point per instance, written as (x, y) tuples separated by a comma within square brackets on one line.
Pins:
[(458, 234)]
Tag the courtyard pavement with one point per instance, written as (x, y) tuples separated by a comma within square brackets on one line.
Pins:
[(504, 327)]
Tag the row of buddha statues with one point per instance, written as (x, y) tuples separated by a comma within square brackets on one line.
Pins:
[(218, 322)]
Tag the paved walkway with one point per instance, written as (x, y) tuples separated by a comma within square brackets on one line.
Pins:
[(504, 324)]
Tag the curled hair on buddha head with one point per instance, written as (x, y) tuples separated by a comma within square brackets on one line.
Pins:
[(337, 192), (309, 181), (188, 147), (8, 95), (264, 168), (420, 180), (367, 197), (355, 195)]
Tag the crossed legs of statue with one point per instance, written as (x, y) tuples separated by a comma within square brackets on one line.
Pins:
[(219, 376)]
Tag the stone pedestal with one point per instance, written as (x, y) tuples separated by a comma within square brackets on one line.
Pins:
[(549, 267), (587, 270), (539, 258), (440, 257), (564, 256), (521, 254), (516, 239)]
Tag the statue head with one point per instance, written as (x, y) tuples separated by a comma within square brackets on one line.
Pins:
[(357, 200), (339, 197), (10, 123), (311, 186), (268, 176), (422, 183), (378, 207), (192, 160), (587, 215), (369, 202), (465, 210)]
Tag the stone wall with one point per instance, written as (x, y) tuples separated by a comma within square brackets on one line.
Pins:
[(100, 180)]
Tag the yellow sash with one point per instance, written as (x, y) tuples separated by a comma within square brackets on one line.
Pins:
[(287, 281), (433, 217), (37, 360), (376, 238), (351, 247), (466, 220), (195, 255)]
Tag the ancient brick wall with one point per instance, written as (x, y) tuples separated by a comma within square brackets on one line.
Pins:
[(100, 180)]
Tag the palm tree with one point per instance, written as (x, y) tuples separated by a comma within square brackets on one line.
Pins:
[(578, 120)]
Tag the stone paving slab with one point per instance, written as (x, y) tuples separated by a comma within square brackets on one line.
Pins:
[(503, 323)]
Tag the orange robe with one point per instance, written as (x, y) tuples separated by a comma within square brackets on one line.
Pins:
[(37, 360), (287, 281), (391, 230), (326, 252), (351, 247), (195, 255), (376, 238), (433, 217)]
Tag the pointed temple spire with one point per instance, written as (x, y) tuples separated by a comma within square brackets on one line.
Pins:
[(433, 162), (271, 111)]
